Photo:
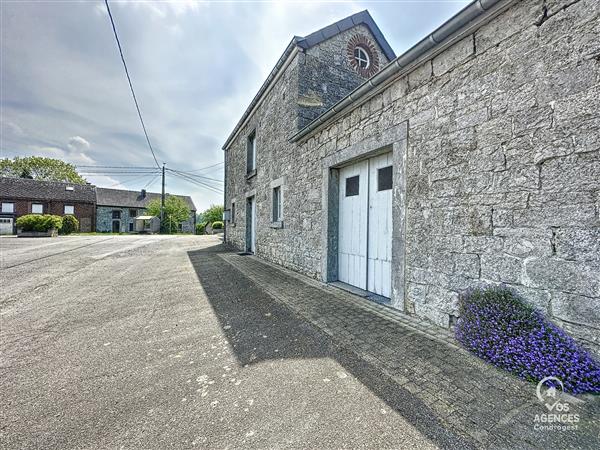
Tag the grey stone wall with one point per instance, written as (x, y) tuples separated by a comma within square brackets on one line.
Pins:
[(502, 168), (325, 76), (104, 219)]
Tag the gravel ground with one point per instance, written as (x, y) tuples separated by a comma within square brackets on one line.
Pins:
[(117, 341)]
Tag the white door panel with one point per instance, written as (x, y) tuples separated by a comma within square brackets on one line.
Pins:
[(380, 225), (365, 225), (352, 245)]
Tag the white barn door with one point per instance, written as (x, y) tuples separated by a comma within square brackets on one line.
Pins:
[(352, 241), (365, 225), (379, 254)]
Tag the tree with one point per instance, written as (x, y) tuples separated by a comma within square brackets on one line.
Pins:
[(39, 168), (176, 211), (213, 214)]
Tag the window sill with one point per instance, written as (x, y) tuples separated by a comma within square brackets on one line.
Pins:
[(276, 224), (251, 174)]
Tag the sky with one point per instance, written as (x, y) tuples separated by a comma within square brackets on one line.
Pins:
[(195, 67)]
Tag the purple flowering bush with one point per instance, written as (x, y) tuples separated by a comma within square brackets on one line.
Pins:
[(499, 327)]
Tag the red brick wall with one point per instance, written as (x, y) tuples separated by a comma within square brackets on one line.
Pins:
[(84, 212)]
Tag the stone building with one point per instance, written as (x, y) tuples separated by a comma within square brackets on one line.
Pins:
[(472, 159), (21, 196), (116, 210)]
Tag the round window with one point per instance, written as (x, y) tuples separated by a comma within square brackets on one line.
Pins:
[(362, 55), (362, 58)]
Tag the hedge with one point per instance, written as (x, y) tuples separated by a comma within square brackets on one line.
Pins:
[(499, 327), (218, 225), (70, 224), (39, 222)]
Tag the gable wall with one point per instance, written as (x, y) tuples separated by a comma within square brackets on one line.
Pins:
[(325, 76)]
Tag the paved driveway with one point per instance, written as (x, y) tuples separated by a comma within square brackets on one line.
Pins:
[(111, 341)]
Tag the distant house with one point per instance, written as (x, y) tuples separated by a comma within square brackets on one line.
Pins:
[(116, 210), (21, 196)]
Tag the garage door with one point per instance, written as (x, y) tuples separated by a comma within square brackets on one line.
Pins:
[(6, 225), (365, 225)]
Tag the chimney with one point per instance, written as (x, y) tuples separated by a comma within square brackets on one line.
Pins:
[(143, 193)]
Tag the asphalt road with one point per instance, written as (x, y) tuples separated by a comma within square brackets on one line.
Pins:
[(113, 341)]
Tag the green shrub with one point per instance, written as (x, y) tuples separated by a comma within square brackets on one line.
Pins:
[(218, 225), (39, 222), (200, 227), (70, 224)]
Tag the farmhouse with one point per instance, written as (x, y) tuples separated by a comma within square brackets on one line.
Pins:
[(21, 196), (117, 210), (471, 159)]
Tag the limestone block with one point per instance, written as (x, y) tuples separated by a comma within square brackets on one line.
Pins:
[(420, 75), (524, 242), (501, 268), (483, 244), (556, 216), (576, 308), (578, 244), (494, 131), (454, 56), (466, 264), (581, 278), (576, 172), (471, 119)]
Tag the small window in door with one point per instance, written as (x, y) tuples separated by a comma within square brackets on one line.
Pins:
[(384, 178), (352, 186)]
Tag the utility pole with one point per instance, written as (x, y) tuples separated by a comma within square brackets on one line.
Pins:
[(162, 201)]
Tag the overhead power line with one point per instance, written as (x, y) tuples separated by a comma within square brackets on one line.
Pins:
[(207, 167), (197, 182), (137, 106), (200, 177)]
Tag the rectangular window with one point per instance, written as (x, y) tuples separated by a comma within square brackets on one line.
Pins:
[(37, 208), (251, 153), (277, 204), (8, 207), (69, 209), (132, 212), (116, 214), (352, 186), (232, 219), (384, 178)]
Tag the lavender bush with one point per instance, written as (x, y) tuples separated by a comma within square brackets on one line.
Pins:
[(499, 327)]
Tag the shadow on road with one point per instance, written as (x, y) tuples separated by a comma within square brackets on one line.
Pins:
[(260, 329)]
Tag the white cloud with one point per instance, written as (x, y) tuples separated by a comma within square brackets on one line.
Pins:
[(78, 144)]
